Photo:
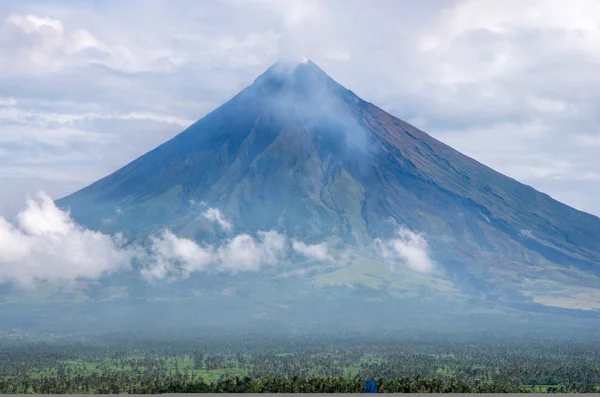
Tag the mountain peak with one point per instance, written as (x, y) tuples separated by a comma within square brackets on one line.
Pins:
[(299, 75), (294, 61), (287, 67)]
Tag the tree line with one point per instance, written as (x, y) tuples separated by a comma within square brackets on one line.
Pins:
[(305, 363)]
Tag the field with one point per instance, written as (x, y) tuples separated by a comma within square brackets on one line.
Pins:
[(136, 363)]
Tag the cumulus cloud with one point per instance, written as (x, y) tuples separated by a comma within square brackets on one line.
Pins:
[(317, 252), (174, 257), (408, 248), (215, 215), (170, 253), (43, 42), (44, 244), (244, 252)]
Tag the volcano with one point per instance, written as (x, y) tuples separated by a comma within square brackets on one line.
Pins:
[(298, 153)]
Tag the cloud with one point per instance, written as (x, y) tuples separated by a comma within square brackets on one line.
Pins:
[(170, 253), (174, 257), (214, 215), (171, 256), (245, 253), (43, 43), (409, 248), (8, 102), (317, 252), (23, 116), (56, 137), (44, 244)]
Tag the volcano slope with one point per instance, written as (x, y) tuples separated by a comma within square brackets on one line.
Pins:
[(298, 153)]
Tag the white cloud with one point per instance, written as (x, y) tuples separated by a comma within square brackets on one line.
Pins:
[(337, 55), (26, 116), (44, 244), (513, 40), (59, 136), (245, 253), (169, 252), (409, 248), (43, 44), (171, 256), (214, 215), (317, 252), (292, 13), (32, 23), (8, 101)]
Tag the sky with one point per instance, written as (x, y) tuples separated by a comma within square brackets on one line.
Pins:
[(86, 86)]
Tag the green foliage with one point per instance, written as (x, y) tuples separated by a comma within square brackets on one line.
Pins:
[(258, 364)]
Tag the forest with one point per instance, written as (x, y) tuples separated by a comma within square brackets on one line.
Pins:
[(259, 363)]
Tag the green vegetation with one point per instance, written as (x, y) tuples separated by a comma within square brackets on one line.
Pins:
[(262, 363)]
